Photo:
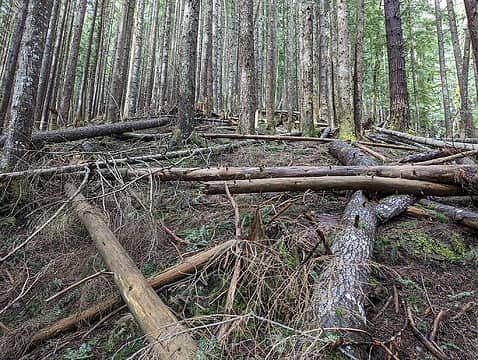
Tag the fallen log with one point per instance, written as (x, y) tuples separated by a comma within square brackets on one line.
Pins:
[(465, 217), (189, 266), (339, 294), (449, 158), (425, 156), (95, 165), (86, 132), (370, 183), (465, 140), (448, 174), (369, 151), (429, 141), (160, 326)]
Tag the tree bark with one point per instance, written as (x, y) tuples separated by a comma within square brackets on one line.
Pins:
[(12, 58), (155, 319), (20, 126), (358, 68), (461, 216), (248, 100), (187, 71), (399, 103), (307, 62), (70, 72), (165, 57), (444, 82), (271, 65)]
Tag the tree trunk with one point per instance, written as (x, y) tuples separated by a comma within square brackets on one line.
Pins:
[(11, 67), (468, 118), (188, 49), (399, 103), (358, 69), (462, 216), (20, 126), (70, 72), (155, 319), (165, 58), (344, 77), (444, 82), (271, 65), (323, 65), (307, 64), (247, 101), (119, 72)]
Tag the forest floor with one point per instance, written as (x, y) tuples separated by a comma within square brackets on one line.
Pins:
[(431, 263)]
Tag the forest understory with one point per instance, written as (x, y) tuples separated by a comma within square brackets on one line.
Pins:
[(251, 300)]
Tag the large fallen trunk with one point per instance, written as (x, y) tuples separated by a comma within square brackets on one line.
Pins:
[(166, 335), (338, 299), (189, 266), (429, 141), (425, 156), (100, 164), (86, 132), (449, 174), (370, 183)]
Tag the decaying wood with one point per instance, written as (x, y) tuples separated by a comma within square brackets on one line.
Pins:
[(189, 266), (64, 135), (370, 183), (392, 206), (465, 140), (375, 154), (160, 326), (429, 141)]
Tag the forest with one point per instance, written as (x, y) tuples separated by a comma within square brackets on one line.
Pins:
[(238, 179)]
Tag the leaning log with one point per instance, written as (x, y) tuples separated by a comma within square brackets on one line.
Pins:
[(189, 266), (160, 326), (86, 132), (370, 183), (429, 141)]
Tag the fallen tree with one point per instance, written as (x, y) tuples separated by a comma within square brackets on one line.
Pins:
[(429, 141), (86, 132), (454, 157), (425, 156), (370, 183), (166, 335), (189, 266)]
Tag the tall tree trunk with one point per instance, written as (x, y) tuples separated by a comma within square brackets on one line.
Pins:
[(247, 101), (399, 103), (344, 83), (119, 73), (289, 64), (20, 127), (358, 68), (471, 7), (188, 49), (444, 82), (271, 65), (165, 57), (136, 57), (323, 64), (13, 51), (152, 59), (307, 62), (81, 106), (70, 72), (46, 62), (469, 126)]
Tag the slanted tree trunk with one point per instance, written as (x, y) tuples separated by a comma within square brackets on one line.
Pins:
[(70, 72), (155, 319), (399, 102), (11, 67), (187, 72), (307, 63), (247, 101), (20, 126)]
